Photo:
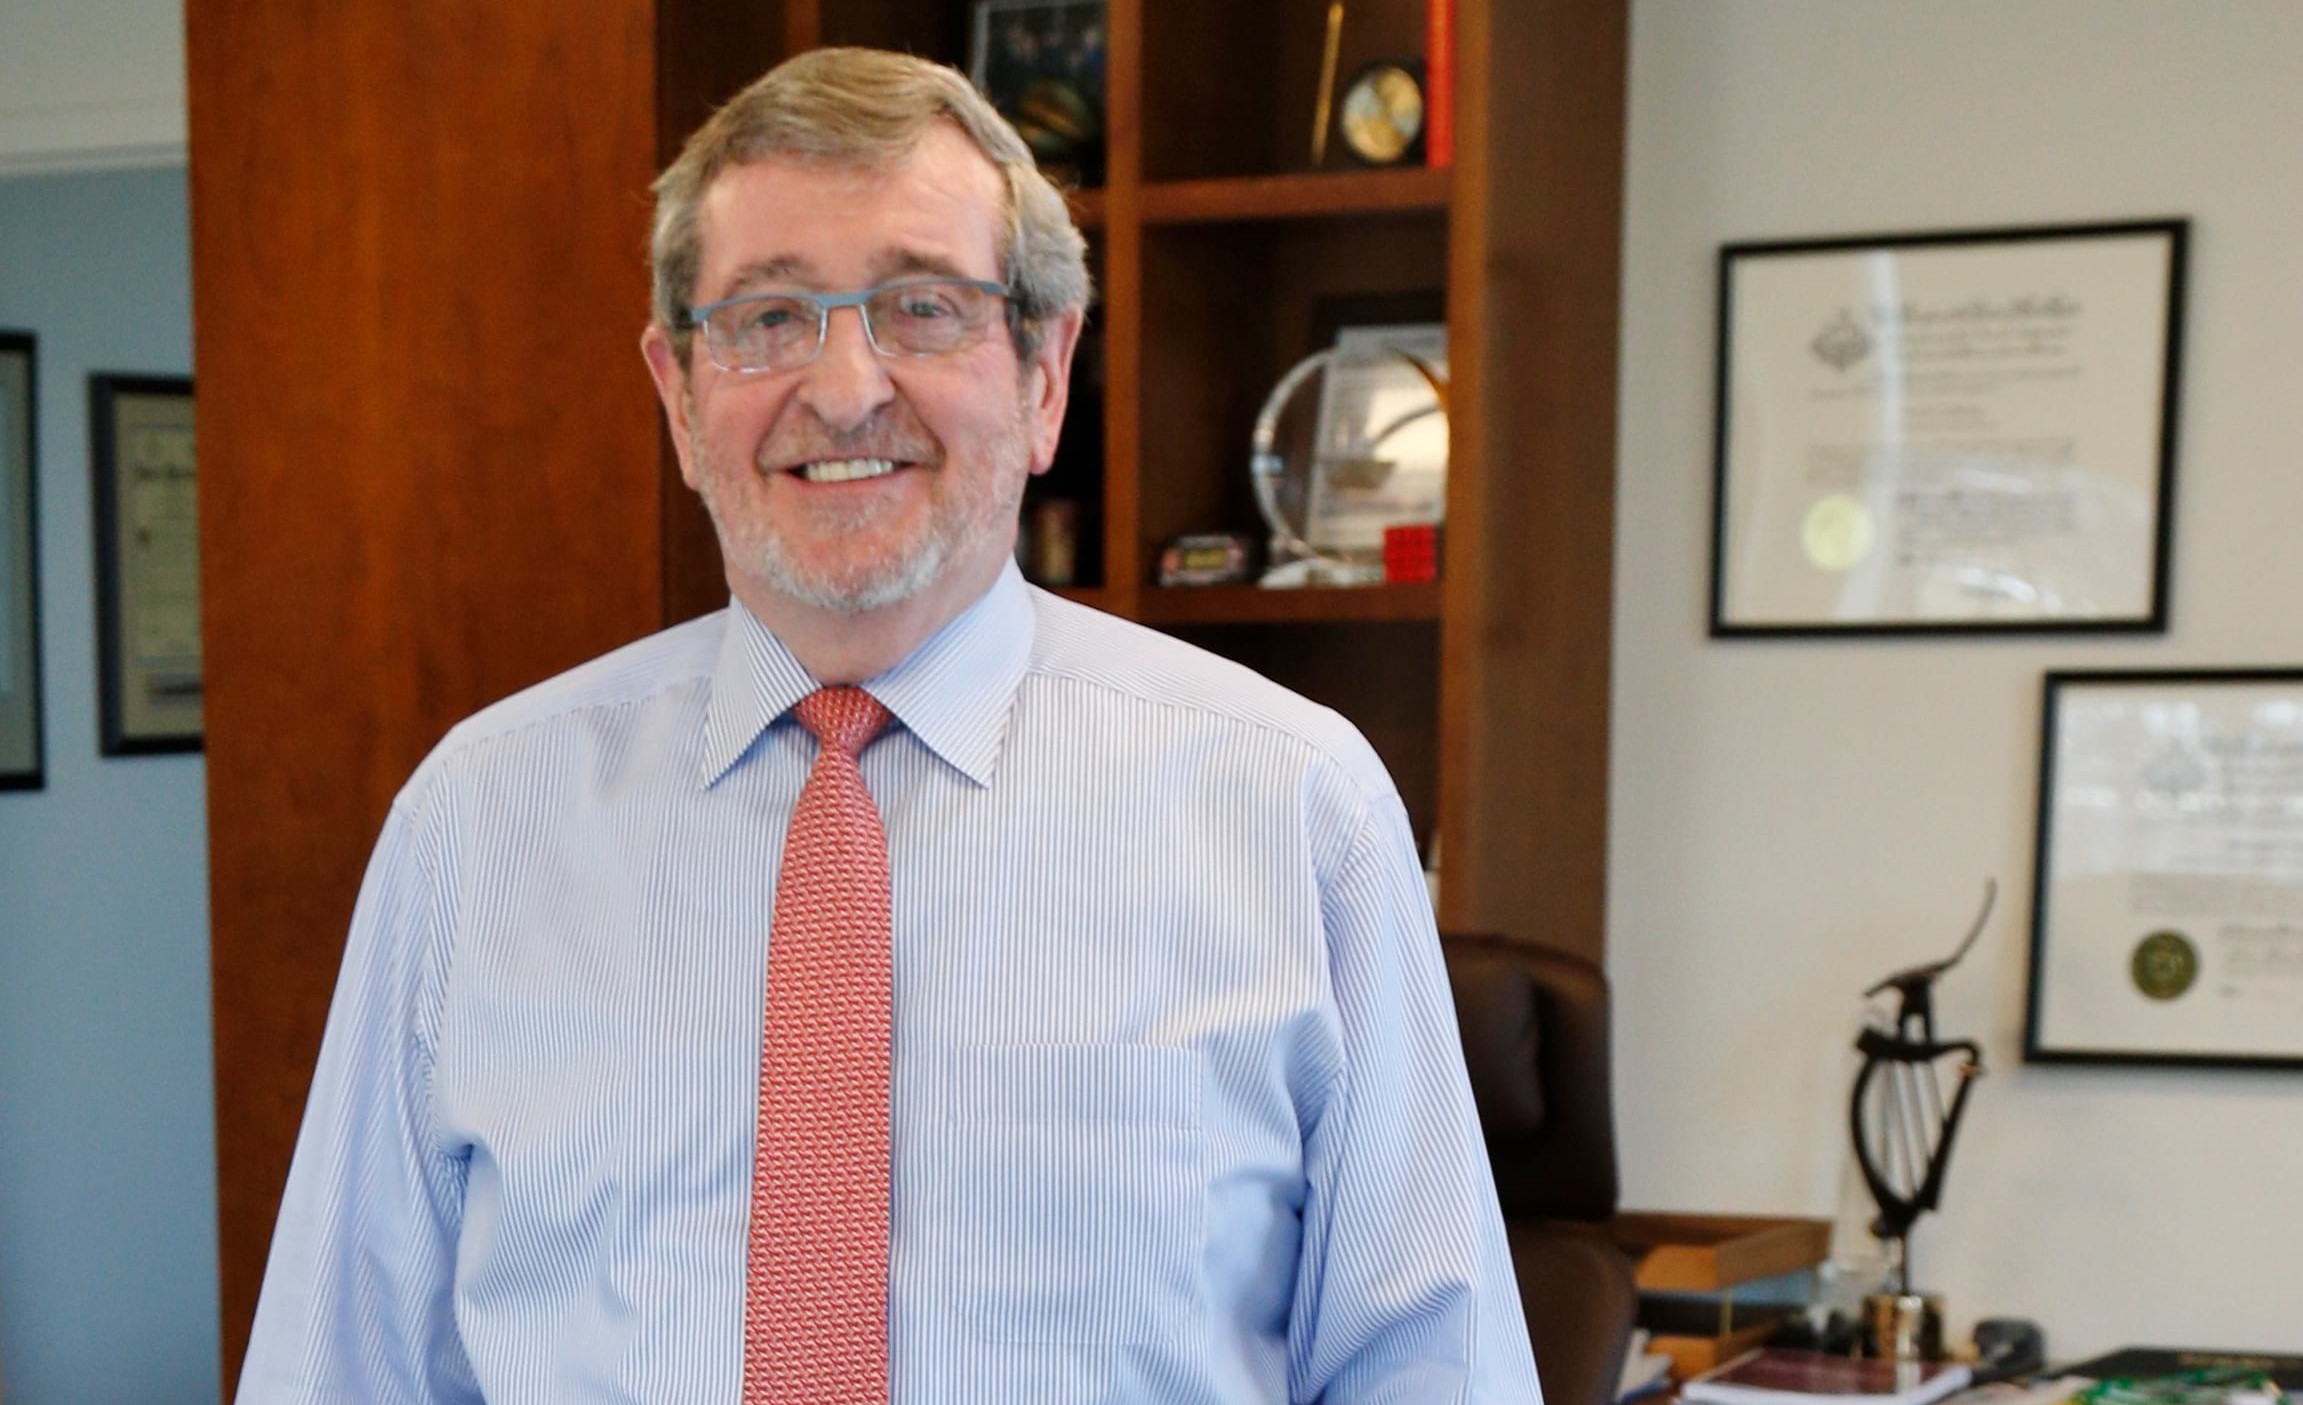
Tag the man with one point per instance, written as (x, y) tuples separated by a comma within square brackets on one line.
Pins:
[(1104, 1053)]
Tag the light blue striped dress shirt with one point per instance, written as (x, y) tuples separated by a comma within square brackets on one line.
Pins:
[(1179, 1115)]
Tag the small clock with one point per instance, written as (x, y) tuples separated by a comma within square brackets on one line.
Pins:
[(1381, 116)]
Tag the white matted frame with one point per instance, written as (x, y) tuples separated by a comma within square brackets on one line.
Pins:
[(1955, 431), (2167, 910), (144, 493)]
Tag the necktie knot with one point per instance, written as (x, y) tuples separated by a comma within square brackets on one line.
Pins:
[(844, 718)]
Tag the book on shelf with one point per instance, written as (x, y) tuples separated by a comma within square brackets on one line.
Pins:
[(1776, 1376), (1439, 84)]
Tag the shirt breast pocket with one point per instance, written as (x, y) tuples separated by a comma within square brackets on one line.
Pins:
[(1082, 1193)]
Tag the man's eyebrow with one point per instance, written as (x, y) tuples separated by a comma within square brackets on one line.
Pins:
[(784, 269), (793, 272), (904, 263)]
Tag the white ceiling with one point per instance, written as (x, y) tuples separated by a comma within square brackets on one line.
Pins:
[(90, 83)]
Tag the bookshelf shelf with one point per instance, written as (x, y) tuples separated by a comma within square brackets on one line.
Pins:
[(1247, 604), (1310, 195)]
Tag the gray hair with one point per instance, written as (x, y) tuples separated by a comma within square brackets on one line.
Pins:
[(869, 108)]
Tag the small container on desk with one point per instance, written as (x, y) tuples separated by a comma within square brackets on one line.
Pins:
[(1689, 1268)]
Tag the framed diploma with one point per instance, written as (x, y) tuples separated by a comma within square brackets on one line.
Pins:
[(1947, 432), (2167, 913), (147, 563), (20, 740)]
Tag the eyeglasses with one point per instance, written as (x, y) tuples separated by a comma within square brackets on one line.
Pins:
[(782, 331)]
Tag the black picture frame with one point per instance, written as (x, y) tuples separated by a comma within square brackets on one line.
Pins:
[(2181, 957), (1045, 65), (148, 700), (23, 740), (1770, 513)]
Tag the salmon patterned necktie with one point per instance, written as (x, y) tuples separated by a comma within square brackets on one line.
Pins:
[(816, 1285)]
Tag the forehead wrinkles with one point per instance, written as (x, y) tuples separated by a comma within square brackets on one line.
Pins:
[(772, 216)]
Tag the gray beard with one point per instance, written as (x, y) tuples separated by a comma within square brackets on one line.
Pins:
[(888, 583), (875, 585), (870, 585)]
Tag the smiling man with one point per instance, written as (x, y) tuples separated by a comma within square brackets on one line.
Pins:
[(903, 986)]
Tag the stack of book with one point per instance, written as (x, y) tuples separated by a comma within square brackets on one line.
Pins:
[(1699, 1276)]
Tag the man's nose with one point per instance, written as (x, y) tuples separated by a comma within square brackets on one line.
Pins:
[(847, 383)]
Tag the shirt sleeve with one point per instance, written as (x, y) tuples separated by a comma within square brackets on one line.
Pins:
[(1405, 1291), (356, 1304)]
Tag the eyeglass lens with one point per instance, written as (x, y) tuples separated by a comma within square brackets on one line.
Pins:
[(779, 330)]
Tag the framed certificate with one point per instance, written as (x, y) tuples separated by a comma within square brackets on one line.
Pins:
[(2167, 917), (1947, 432), (20, 740), (147, 563)]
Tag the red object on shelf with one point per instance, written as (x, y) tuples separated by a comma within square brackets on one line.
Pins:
[(1439, 84), (1411, 553)]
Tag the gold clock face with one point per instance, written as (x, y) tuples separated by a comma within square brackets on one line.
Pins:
[(1382, 114)]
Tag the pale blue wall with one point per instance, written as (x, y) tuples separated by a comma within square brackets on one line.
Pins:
[(107, 1123)]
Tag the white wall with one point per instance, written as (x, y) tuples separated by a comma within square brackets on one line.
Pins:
[(1794, 819), (91, 83)]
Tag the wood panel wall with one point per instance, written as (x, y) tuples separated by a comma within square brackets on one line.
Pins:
[(430, 460), (1535, 224)]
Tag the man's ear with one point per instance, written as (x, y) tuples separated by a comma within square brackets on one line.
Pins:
[(1048, 384), (671, 388)]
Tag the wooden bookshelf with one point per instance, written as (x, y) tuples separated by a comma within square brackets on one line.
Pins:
[(1087, 207)]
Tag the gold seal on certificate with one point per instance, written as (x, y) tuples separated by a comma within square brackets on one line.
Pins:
[(1837, 533), (2164, 965)]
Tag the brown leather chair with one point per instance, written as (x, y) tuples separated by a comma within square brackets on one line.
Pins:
[(1534, 1023)]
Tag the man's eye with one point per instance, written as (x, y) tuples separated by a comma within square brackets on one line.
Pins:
[(927, 307), (769, 317)]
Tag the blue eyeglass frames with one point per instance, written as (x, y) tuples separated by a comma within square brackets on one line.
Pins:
[(780, 331)]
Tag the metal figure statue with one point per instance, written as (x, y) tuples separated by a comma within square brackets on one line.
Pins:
[(1902, 1126)]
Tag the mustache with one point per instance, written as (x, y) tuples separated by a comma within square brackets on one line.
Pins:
[(887, 435)]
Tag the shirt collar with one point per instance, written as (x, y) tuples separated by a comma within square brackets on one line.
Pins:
[(954, 692)]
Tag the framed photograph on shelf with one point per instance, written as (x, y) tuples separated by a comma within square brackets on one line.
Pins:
[(1042, 63), (21, 754), (147, 563), (1960, 431), (2167, 909)]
